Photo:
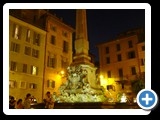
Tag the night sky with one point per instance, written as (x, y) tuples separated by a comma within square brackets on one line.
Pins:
[(104, 24)]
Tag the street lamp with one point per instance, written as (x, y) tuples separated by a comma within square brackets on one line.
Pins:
[(103, 82), (61, 72), (101, 76)]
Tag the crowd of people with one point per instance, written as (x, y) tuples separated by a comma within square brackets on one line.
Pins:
[(20, 104), (26, 103)]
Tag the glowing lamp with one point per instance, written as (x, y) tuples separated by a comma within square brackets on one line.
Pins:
[(134, 100), (62, 72), (101, 76), (123, 98)]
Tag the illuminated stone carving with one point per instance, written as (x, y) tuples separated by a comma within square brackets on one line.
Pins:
[(82, 84), (78, 89)]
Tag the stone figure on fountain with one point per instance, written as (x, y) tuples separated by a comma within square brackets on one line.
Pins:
[(78, 89), (76, 79)]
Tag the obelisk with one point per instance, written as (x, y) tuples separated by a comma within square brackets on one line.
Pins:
[(82, 57), (81, 40)]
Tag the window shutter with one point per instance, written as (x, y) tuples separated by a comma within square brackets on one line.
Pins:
[(53, 84), (19, 32), (48, 83), (13, 31)]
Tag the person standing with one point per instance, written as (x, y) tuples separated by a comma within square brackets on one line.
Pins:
[(19, 104), (12, 103), (27, 101), (49, 102)]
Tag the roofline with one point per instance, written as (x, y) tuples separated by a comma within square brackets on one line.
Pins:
[(60, 21), (112, 40)]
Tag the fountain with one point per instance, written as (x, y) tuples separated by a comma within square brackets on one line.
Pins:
[(82, 84), (78, 89)]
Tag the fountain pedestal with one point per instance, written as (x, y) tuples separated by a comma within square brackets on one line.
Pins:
[(82, 84)]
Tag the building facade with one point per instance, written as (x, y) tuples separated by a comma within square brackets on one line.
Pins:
[(58, 53), (121, 60), (26, 58), (40, 51), (141, 56)]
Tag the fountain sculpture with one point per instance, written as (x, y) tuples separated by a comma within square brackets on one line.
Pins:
[(78, 89), (82, 84)]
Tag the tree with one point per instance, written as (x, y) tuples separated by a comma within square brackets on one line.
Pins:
[(138, 84)]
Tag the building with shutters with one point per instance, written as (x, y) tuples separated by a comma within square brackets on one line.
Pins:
[(26, 58), (122, 60), (40, 51)]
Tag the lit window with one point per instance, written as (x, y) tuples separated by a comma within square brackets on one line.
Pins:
[(28, 35), (12, 84), (34, 70), (23, 85), (32, 86), (51, 83), (16, 31)]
